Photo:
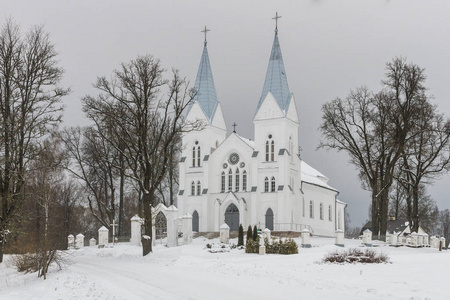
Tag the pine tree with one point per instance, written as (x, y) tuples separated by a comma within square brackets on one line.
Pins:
[(241, 236), (255, 233), (249, 233)]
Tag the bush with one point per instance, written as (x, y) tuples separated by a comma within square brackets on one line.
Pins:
[(37, 262), (289, 246), (241, 236), (355, 255)]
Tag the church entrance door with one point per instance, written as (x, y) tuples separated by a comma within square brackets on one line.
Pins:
[(232, 217), (269, 219), (195, 221)]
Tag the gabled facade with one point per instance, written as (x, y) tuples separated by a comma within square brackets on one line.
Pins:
[(263, 182)]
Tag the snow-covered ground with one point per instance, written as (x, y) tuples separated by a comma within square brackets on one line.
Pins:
[(191, 272)]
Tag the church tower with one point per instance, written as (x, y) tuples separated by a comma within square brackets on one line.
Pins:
[(197, 145)]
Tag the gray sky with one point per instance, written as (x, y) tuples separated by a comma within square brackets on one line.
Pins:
[(329, 47)]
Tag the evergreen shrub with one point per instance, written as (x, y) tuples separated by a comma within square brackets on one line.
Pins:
[(249, 233), (241, 236)]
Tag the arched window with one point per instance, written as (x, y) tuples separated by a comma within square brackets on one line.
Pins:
[(321, 211), (244, 180), (199, 188), (330, 213), (267, 151), (222, 189), (198, 156), (193, 156), (195, 221), (272, 151), (311, 209), (339, 219), (266, 184), (237, 180), (230, 180), (193, 188), (272, 184)]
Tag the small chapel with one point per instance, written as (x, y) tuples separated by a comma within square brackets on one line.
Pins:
[(227, 178)]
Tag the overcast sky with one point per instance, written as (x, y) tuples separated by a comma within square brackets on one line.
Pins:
[(329, 47)]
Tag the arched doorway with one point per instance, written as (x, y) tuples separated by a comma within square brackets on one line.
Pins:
[(160, 226), (269, 219), (195, 221), (232, 217)]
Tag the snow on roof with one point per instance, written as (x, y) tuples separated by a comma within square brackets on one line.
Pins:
[(312, 176), (247, 141)]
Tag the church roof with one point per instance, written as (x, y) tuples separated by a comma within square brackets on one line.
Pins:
[(204, 86), (276, 80), (314, 177)]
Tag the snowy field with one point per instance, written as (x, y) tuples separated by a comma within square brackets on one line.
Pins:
[(191, 272)]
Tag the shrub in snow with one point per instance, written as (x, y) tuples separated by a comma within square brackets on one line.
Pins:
[(38, 262), (249, 233), (241, 236), (289, 246), (355, 255)]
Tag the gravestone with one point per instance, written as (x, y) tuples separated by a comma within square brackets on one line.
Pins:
[(92, 242), (339, 238), (103, 233), (224, 233), (71, 241), (79, 241), (187, 229), (414, 239), (262, 246), (305, 238), (442, 243), (393, 239), (136, 224), (267, 233), (172, 229)]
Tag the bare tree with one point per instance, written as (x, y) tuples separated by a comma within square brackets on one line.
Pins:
[(373, 129), (146, 125), (29, 108)]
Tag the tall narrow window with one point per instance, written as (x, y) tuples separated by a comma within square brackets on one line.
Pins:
[(193, 156), (266, 184), (272, 185), (303, 206), (199, 188), (267, 151), (244, 180), (222, 189), (237, 180), (272, 151), (321, 211), (291, 149), (198, 156), (311, 209), (193, 188), (230, 180), (330, 213)]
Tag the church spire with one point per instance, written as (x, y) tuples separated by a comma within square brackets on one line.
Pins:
[(276, 80), (204, 84)]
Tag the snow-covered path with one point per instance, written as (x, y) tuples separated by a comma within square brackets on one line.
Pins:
[(190, 272)]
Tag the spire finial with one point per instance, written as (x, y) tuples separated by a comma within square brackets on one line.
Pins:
[(205, 31), (234, 127), (276, 21)]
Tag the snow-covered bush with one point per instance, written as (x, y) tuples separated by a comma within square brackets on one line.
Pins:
[(355, 255), (289, 246)]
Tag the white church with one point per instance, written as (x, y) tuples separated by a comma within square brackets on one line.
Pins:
[(226, 178)]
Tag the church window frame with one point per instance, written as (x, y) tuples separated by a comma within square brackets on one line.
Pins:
[(237, 175), (303, 207), (267, 151), (311, 209), (199, 188), (266, 184), (272, 184), (199, 156), (193, 156), (223, 182), (244, 180), (230, 180), (193, 188), (330, 213), (272, 151), (321, 211)]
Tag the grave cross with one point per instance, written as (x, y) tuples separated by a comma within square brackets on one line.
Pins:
[(114, 230), (234, 127)]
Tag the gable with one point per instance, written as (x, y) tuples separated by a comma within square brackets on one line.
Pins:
[(292, 113), (269, 109), (218, 119), (195, 114)]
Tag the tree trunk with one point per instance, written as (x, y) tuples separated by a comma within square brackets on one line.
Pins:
[(415, 209), (375, 214), (1, 250), (147, 203), (384, 205)]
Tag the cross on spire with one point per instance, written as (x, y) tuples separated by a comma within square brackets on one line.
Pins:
[(234, 127), (205, 31), (276, 21)]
